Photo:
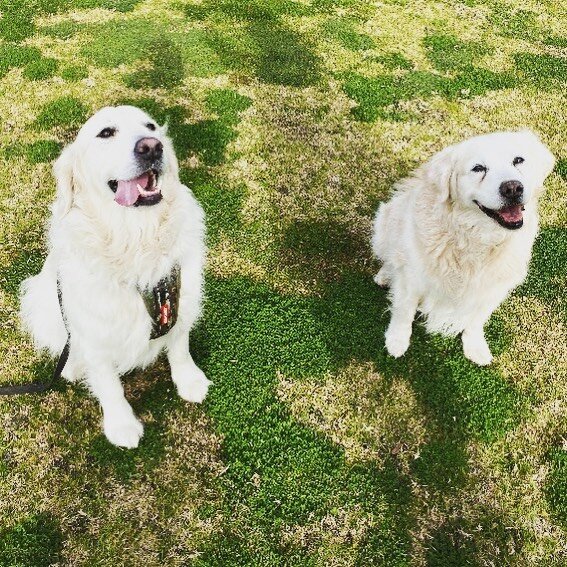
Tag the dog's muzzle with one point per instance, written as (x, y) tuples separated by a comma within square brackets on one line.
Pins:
[(143, 190), (510, 216)]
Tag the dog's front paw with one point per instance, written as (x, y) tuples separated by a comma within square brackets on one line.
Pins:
[(397, 343), (192, 384), (476, 349), (123, 430)]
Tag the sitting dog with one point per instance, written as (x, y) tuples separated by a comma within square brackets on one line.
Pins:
[(122, 280), (456, 237)]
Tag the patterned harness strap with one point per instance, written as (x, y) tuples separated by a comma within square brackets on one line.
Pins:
[(162, 303)]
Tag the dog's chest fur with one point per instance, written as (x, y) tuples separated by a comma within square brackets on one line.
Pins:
[(104, 263), (469, 269), (135, 252), (464, 259)]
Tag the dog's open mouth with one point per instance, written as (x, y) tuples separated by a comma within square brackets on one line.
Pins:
[(140, 191), (509, 217)]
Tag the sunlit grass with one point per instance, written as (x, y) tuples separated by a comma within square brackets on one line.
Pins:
[(291, 121)]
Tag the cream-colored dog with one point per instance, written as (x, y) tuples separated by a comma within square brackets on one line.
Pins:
[(124, 234), (457, 235)]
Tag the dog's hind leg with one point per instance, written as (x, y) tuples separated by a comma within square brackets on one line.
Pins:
[(404, 306), (39, 309), (382, 278)]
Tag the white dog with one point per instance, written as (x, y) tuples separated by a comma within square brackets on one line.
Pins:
[(126, 254), (457, 237)]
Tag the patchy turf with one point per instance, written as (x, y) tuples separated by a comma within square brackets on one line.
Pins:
[(291, 121), (67, 112), (35, 540)]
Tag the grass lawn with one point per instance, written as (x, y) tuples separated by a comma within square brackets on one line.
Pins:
[(291, 120)]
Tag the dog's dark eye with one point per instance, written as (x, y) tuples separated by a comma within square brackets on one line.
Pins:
[(150, 126), (106, 133), (518, 160), (478, 168)]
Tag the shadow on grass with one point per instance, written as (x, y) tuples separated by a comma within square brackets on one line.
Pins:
[(66, 112), (247, 37), (556, 485), (459, 76), (260, 42), (547, 276), (320, 251), (252, 335), (40, 151), (35, 66), (379, 97), (460, 543), (166, 67), (26, 264), (17, 21), (34, 540)]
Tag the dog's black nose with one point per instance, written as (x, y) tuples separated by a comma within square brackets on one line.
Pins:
[(511, 189), (149, 149)]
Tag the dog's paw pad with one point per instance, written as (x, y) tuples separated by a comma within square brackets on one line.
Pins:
[(397, 345), (124, 432), (193, 386)]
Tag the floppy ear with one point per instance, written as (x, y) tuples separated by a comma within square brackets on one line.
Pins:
[(170, 151), (63, 172), (438, 172), (545, 159)]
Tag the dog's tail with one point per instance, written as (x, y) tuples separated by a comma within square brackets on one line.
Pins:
[(40, 312)]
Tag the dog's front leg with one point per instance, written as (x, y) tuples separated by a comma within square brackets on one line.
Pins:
[(121, 426), (404, 306), (475, 346), (191, 382)]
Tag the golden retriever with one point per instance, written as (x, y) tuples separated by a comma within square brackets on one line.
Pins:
[(456, 237), (124, 234)]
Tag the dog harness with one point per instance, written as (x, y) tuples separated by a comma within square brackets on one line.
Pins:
[(162, 305)]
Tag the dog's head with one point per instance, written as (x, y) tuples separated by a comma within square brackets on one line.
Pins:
[(120, 154), (498, 175)]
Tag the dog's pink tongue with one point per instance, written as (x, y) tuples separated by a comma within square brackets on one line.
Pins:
[(127, 192), (511, 214)]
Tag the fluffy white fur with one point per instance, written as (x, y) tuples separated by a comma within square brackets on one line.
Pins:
[(442, 255), (102, 253)]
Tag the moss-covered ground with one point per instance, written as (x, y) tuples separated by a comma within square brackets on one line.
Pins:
[(291, 120)]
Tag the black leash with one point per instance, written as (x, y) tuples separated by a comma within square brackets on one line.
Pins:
[(38, 387)]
